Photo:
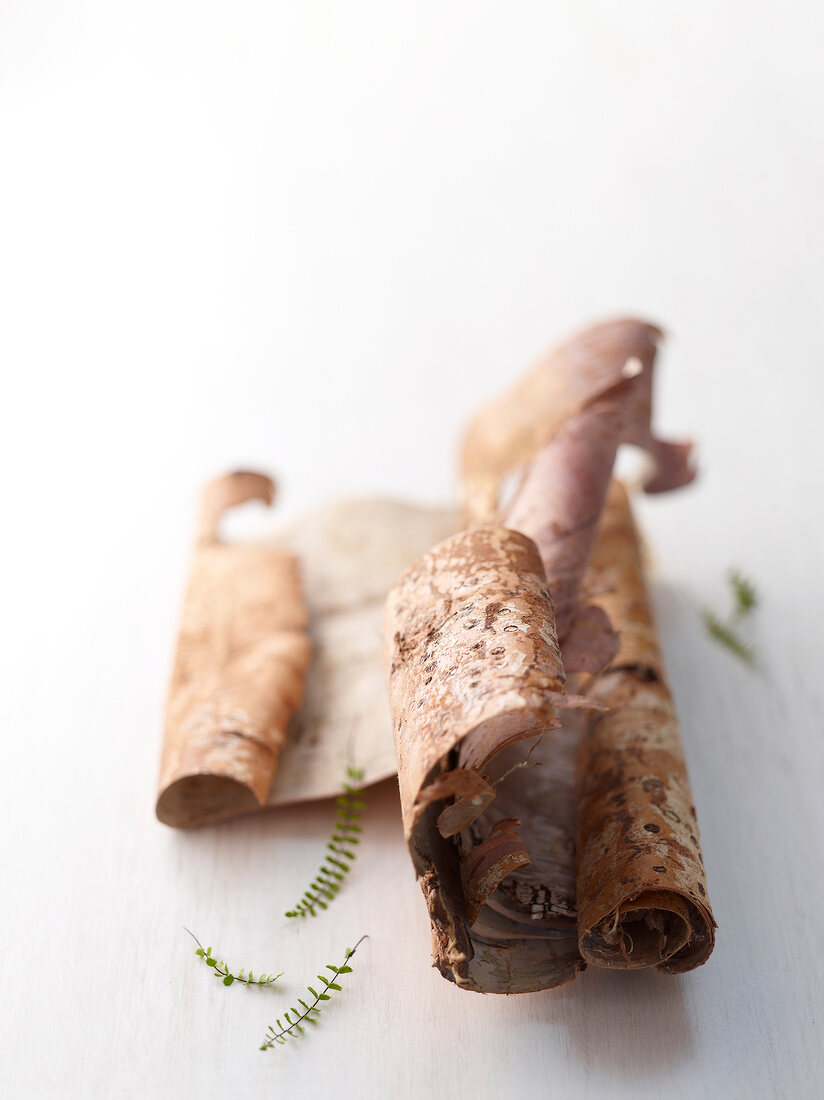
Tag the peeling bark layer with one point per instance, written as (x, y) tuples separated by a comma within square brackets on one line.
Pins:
[(507, 434), (562, 493)]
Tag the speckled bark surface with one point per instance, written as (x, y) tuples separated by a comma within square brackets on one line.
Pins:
[(642, 892), (473, 657), (474, 668), (505, 905)]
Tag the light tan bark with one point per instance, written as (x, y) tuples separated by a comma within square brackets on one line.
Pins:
[(242, 656), (348, 554)]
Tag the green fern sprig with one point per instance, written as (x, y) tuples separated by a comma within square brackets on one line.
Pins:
[(222, 971), (727, 637), (744, 594), (295, 1018), (745, 601), (329, 879)]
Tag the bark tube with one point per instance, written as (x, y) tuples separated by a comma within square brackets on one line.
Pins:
[(473, 667), (642, 892), (242, 656)]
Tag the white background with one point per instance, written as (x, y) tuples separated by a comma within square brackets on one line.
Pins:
[(313, 237)]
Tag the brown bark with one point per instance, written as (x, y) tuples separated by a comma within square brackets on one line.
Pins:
[(642, 892), (474, 668), (350, 553), (506, 904), (562, 493), (242, 656), (506, 435)]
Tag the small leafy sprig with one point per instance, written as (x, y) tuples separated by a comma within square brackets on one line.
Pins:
[(222, 971), (294, 1018), (327, 882), (744, 593), (745, 601)]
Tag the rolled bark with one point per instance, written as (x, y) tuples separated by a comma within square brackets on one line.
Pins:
[(474, 667), (242, 656), (642, 891), (512, 907)]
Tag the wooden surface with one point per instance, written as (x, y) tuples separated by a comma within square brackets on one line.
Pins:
[(313, 237)]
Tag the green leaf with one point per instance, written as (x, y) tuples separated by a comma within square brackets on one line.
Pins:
[(211, 962), (312, 991), (324, 997), (334, 985), (228, 979), (345, 969), (200, 952)]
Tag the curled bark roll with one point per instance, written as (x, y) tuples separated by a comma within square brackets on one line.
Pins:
[(608, 371), (642, 894), (613, 359), (473, 667), (239, 674)]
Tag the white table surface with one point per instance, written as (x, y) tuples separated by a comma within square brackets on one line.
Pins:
[(312, 237)]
